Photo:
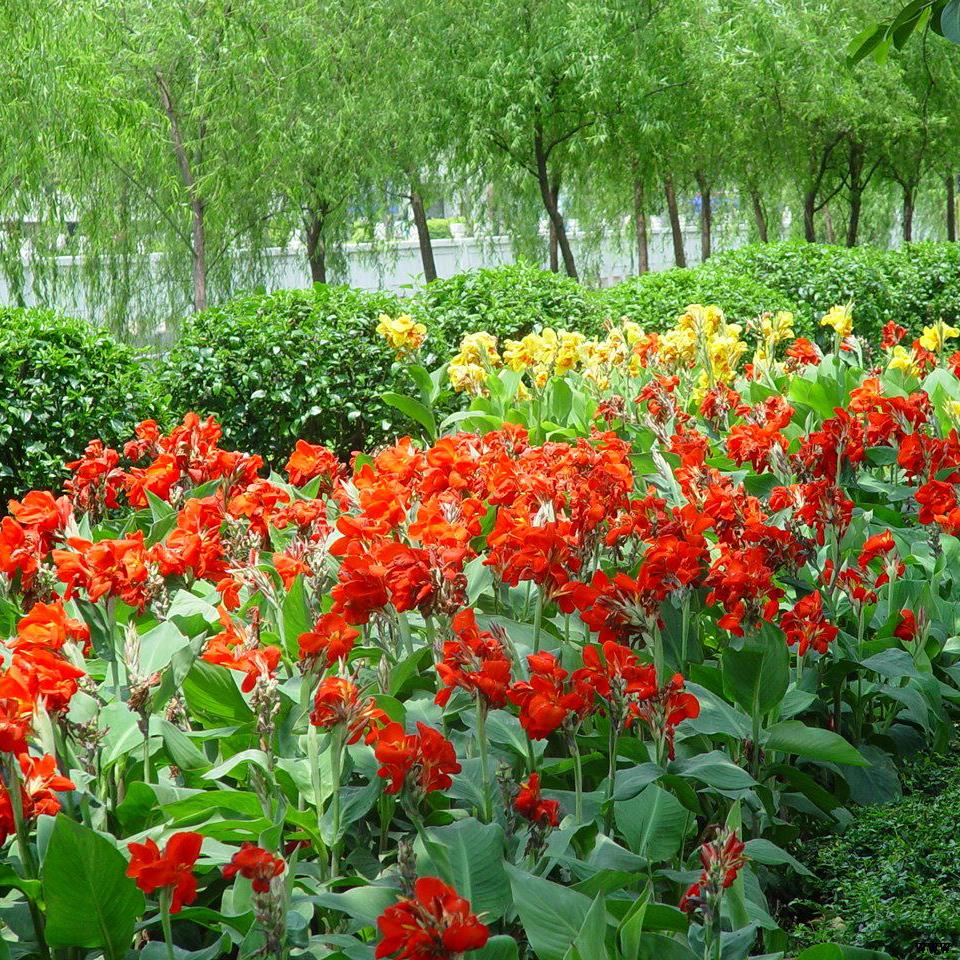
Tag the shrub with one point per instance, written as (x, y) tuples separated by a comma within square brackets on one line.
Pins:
[(912, 286), (655, 299), (890, 881), (62, 382), (273, 368), (505, 301)]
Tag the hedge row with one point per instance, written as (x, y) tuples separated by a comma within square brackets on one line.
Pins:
[(274, 367)]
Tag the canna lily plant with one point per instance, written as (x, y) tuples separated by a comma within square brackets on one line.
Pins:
[(571, 675)]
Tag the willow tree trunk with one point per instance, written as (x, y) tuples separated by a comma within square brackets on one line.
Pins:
[(185, 163), (759, 217), (828, 231), (706, 217), (553, 251), (640, 225), (908, 204), (855, 172), (550, 198), (679, 255), (423, 235), (809, 211), (316, 248), (951, 207)]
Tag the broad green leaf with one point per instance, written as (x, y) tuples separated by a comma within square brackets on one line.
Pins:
[(756, 677), (296, 615), (474, 854), (415, 410), (552, 915), (90, 902), (814, 743), (653, 823)]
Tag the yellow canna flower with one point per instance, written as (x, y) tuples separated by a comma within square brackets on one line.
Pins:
[(479, 348), (841, 319), (953, 409), (467, 377), (935, 337), (777, 327), (403, 333), (905, 360)]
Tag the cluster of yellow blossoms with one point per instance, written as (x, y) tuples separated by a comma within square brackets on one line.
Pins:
[(550, 353), (700, 338), (403, 333), (840, 319)]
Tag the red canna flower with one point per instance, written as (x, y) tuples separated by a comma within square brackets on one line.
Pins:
[(806, 627), (422, 761), (436, 923), (662, 712), (48, 625), (107, 567), (476, 661), (907, 628), (531, 805), (893, 333), (331, 639), (722, 860), (170, 870), (617, 677), (361, 590), (289, 567), (742, 583), (549, 699), (256, 864), (238, 648), (16, 710), (21, 550), (337, 703), (308, 461), (41, 511), (802, 352), (41, 782)]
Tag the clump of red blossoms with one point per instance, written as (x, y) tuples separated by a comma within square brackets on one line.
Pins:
[(436, 923), (422, 762), (170, 870), (256, 864), (722, 860)]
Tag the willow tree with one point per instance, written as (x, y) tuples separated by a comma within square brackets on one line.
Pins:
[(521, 95), (161, 152)]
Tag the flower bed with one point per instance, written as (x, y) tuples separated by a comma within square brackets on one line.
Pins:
[(565, 679)]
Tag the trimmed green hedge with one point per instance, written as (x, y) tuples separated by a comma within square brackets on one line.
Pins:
[(62, 383), (912, 286), (507, 302), (276, 367), (891, 881), (655, 300)]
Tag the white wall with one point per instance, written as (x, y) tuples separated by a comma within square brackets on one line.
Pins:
[(398, 270)]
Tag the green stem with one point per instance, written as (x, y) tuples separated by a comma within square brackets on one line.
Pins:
[(146, 752), (313, 758), (23, 842), (611, 776), (577, 779), (658, 658), (336, 757), (403, 627), (165, 921), (537, 622), (484, 767), (684, 633)]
